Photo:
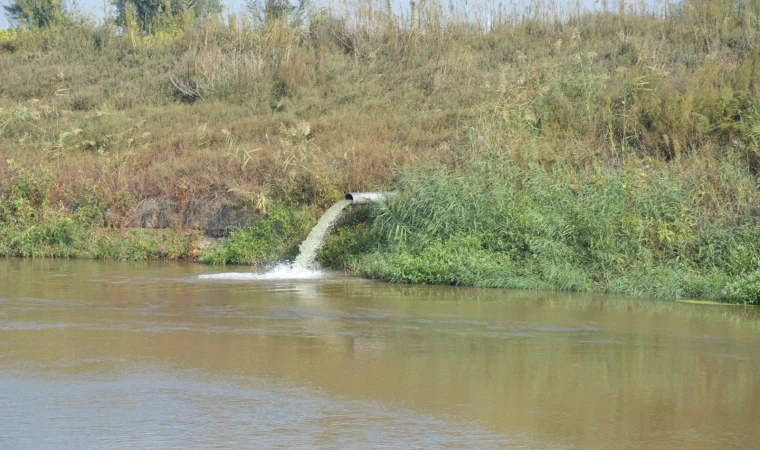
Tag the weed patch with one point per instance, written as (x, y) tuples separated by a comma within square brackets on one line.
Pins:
[(265, 240)]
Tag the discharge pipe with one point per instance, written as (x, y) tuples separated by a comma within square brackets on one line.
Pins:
[(364, 198)]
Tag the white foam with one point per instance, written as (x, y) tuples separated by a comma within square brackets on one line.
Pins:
[(304, 267), (279, 272)]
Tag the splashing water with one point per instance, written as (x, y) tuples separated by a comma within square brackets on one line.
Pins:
[(277, 273), (312, 243), (304, 267)]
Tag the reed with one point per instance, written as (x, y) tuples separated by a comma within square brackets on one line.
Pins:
[(637, 229)]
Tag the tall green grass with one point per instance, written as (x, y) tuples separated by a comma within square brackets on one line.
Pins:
[(641, 228)]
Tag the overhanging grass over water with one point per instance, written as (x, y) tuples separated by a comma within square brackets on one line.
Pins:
[(643, 229)]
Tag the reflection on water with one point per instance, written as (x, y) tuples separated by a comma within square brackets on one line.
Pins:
[(124, 355)]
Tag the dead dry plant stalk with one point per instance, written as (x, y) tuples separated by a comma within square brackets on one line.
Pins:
[(209, 69)]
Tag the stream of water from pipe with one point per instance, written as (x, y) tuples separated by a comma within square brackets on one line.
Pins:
[(305, 266)]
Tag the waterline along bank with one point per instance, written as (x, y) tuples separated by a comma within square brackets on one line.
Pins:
[(601, 151)]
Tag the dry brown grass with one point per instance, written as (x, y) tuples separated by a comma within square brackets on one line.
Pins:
[(260, 113)]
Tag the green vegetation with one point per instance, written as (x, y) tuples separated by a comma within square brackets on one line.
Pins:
[(744, 289), (31, 226), (616, 151), (37, 13), (158, 16), (268, 239), (637, 229)]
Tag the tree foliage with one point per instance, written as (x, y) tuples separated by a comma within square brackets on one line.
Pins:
[(263, 11), (36, 13), (146, 12)]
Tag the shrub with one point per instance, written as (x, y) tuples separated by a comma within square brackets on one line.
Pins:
[(745, 289), (265, 240)]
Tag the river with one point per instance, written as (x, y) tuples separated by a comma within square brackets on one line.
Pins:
[(151, 355)]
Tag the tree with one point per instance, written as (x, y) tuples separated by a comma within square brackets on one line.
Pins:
[(146, 11), (36, 13), (264, 11)]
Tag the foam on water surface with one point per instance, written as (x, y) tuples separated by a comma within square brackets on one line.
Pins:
[(279, 272), (304, 267)]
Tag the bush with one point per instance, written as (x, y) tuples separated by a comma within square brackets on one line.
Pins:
[(353, 236), (265, 240), (744, 290)]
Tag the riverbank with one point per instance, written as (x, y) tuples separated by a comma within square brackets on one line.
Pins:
[(634, 230), (605, 152), (631, 230)]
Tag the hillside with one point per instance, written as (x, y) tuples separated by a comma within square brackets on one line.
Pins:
[(612, 152)]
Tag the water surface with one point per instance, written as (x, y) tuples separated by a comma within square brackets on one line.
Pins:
[(138, 355)]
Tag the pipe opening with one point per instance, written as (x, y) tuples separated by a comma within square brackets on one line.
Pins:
[(364, 198)]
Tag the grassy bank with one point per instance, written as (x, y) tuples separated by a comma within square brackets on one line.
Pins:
[(614, 151), (641, 230), (32, 224)]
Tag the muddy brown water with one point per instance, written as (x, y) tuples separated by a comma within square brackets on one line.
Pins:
[(128, 355)]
